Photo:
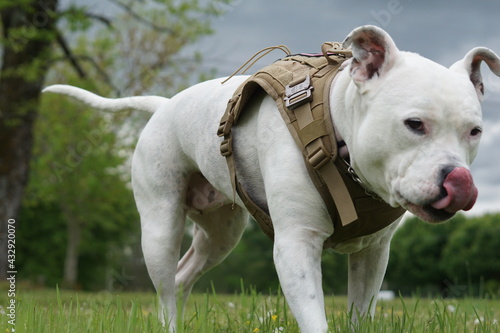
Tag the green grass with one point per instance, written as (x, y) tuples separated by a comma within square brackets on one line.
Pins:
[(57, 311)]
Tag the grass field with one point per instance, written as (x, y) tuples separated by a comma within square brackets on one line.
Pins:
[(54, 311)]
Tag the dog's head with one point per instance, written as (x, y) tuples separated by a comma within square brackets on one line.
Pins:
[(413, 126)]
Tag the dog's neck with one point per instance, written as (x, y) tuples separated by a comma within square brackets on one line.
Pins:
[(343, 151)]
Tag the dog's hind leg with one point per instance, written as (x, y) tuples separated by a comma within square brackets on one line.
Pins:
[(160, 183), (216, 233), (162, 224)]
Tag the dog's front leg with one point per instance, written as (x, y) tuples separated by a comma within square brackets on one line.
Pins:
[(366, 273), (297, 256)]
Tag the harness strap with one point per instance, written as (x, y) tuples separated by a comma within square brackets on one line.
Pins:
[(227, 121), (310, 133), (259, 55)]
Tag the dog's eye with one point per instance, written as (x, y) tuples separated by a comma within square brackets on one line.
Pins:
[(476, 131), (415, 125)]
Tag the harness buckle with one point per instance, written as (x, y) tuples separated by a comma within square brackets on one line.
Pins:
[(226, 147), (229, 117), (318, 158), (225, 126), (298, 93)]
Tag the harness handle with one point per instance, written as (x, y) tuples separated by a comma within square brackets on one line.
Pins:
[(250, 62), (334, 48)]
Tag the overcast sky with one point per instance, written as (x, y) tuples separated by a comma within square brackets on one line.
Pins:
[(442, 31)]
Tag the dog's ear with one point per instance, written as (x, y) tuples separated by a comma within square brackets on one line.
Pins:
[(374, 53), (471, 65)]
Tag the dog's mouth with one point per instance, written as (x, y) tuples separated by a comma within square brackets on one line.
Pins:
[(429, 213), (458, 192)]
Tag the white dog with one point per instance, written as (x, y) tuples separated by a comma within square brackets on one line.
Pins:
[(412, 128)]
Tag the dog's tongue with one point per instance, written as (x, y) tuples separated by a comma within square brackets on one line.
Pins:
[(461, 191)]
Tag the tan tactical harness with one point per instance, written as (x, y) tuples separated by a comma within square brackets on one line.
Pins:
[(300, 85)]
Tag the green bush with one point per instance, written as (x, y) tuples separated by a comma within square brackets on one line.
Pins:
[(456, 259)]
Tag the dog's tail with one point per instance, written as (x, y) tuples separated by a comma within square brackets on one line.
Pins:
[(142, 103)]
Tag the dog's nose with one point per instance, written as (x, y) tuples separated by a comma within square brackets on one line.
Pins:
[(461, 193)]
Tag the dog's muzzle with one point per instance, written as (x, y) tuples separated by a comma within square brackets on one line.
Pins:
[(460, 193)]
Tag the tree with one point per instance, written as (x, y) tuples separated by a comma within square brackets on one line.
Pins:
[(155, 31), (28, 28), (76, 169)]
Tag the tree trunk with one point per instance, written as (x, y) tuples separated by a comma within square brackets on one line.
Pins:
[(28, 32), (70, 277)]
